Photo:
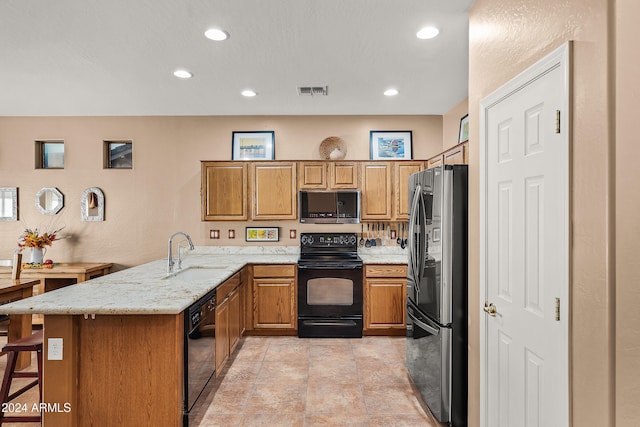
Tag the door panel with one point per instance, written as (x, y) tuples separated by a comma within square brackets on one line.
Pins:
[(525, 263)]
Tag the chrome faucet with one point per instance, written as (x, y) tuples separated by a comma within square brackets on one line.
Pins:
[(170, 261)]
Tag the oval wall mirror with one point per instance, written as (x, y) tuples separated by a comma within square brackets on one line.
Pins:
[(49, 201), (92, 204), (8, 203)]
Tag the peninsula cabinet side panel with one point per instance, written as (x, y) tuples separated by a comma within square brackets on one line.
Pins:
[(130, 370)]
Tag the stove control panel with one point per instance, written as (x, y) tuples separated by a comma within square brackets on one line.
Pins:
[(328, 240)]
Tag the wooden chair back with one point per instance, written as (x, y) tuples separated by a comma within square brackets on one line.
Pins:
[(17, 267)]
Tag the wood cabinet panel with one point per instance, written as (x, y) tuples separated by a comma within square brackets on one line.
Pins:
[(385, 303), (402, 171), (312, 175), (234, 320), (222, 334), (434, 161), (385, 270), (376, 191), (274, 303), (224, 191), (456, 155), (274, 192), (276, 270), (343, 175)]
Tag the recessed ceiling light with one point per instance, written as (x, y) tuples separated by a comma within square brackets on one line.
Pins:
[(248, 93), (216, 34), (183, 74), (427, 33), (391, 92)]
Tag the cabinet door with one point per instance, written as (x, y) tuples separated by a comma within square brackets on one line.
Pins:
[(222, 334), (274, 190), (376, 191), (456, 155), (234, 319), (312, 175), (434, 161), (343, 175), (224, 191), (385, 303), (402, 171), (274, 303)]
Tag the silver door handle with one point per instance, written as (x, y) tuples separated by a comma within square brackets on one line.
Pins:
[(490, 309)]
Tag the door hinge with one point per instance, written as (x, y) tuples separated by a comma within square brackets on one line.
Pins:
[(558, 309), (557, 121)]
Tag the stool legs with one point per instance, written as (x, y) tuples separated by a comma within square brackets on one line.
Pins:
[(9, 375)]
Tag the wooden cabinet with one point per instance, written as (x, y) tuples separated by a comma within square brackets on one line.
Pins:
[(376, 189), (274, 297), (224, 191), (274, 192), (402, 171), (312, 175), (229, 312), (343, 175), (385, 295), (434, 161), (456, 155)]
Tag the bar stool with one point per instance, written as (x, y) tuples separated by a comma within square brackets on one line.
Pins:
[(30, 343)]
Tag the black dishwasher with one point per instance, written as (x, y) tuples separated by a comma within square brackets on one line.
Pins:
[(199, 350)]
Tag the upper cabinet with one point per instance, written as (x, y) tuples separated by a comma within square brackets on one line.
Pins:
[(274, 190), (456, 155), (224, 191), (323, 175), (401, 173), (376, 187)]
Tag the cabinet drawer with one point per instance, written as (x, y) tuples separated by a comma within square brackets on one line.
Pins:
[(225, 288), (387, 270), (274, 271)]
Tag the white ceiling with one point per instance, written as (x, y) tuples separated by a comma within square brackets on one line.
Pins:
[(116, 57)]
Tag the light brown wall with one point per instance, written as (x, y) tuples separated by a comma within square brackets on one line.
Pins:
[(627, 207), (451, 124), (161, 194), (506, 36)]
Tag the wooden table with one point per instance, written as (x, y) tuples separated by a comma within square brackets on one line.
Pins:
[(60, 275), (19, 324)]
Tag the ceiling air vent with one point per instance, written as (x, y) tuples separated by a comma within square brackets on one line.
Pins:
[(313, 90)]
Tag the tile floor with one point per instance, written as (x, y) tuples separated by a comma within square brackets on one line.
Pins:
[(287, 381)]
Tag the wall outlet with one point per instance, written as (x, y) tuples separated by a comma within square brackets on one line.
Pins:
[(214, 234), (232, 234), (54, 349), (292, 234)]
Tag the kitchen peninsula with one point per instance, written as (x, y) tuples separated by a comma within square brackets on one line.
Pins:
[(123, 336)]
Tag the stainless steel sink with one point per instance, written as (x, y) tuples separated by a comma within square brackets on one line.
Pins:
[(196, 273)]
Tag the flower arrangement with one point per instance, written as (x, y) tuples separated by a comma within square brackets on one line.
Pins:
[(31, 238)]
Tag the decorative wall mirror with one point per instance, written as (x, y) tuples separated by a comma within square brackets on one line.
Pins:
[(8, 203), (49, 201), (92, 204)]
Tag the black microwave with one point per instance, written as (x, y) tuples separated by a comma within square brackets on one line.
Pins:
[(329, 207)]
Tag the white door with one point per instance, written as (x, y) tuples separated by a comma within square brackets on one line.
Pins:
[(525, 254)]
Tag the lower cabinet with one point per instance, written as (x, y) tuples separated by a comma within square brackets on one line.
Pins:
[(229, 318), (385, 294), (274, 297)]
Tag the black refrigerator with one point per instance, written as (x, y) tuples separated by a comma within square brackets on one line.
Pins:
[(437, 290)]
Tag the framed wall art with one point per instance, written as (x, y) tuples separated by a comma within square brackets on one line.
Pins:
[(262, 234), (254, 145), (463, 134), (390, 145)]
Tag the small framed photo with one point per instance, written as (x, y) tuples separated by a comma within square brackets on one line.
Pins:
[(463, 134), (387, 145), (255, 145), (262, 234)]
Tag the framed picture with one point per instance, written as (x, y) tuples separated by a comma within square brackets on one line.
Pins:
[(255, 145), (262, 234), (390, 144), (463, 135)]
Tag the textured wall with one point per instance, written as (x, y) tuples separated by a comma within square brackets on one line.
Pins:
[(161, 194), (506, 36), (451, 123), (627, 208)]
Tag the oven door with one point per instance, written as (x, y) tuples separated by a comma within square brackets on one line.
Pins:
[(329, 292)]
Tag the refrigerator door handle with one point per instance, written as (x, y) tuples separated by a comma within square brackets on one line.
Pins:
[(417, 193), (433, 331)]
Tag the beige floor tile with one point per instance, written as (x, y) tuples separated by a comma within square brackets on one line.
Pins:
[(391, 399), (273, 420), (230, 397), (400, 421), (376, 372), (278, 398), (324, 397), (333, 370), (333, 420), (283, 372)]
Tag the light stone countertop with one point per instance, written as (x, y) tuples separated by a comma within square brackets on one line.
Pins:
[(145, 289)]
